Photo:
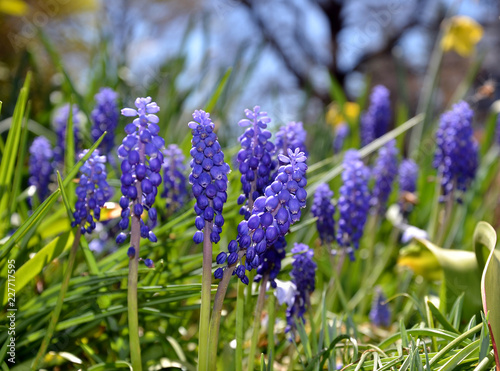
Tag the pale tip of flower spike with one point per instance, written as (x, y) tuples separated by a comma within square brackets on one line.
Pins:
[(284, 159), (129, 112), (244, 122)]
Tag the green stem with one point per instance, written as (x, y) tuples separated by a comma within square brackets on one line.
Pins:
[(133, 276), (446, 219), (206, 286), (213, 338), (270, 330), (256, 322), (57, 310), (240, 315)]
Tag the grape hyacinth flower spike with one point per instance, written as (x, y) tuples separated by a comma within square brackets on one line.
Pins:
[(272, 216), (375, 122), (341, 133), (323, 209), (174, 180), (255, 158), (105, 118), (408, 175), (142, 158), (291, 136), (303, 275), (40, 167), (92, 192), (60, 123), (380, 314), (209, 180), (384, 173), (353, 203), (456, 157)]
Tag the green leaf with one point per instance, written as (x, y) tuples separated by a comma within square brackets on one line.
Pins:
[(218, 91), (485, 238), (454, 361), (12, 146), (461, 275), (38, 215), (441, 318), (64, 197), (69, 155), (110, 366), (35, 265)]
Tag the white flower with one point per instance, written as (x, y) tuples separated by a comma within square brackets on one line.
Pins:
[(285, 292), (412, 232)]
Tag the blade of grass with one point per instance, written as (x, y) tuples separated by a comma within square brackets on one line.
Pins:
[(218, 91), (57, 311)]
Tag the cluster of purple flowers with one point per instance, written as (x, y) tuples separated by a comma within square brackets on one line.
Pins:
[(408, 175), (60, 124), (380, 314), (40, 167), (323, 209), (174, 180), (105, 118), (341, 133), (208, 177), (270, 262), (375, 122), (272, 216), (92, 192), (255, 158), (303, 274), (353, 203), (141, 151), (456, 157), (384, 173), (291, 136)]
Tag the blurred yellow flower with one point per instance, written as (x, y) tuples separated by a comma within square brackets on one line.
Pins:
[(13, 7), (462, 35), (335, 115)]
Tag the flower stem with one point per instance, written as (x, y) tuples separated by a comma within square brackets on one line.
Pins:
[(216, 313), (240, 315), (57, 310), (206, 286), (256, 321), (133, 275), (270, 329)]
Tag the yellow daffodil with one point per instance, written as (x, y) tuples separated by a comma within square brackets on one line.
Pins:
[(462, 35), (335, 115)]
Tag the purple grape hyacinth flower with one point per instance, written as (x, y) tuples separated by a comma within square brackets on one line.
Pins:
[(380, 314), (40, 167), (375, 122), (384, 173), (272, 216), (341, 132), (174, 180), (270, 262), (323, 209), (408, 175), (303, 275), (255, 158), (60, 123), (291, 136), (105, 117), (208, 177), (142, 158), (456, 157), (353, 203), (92, 192)]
